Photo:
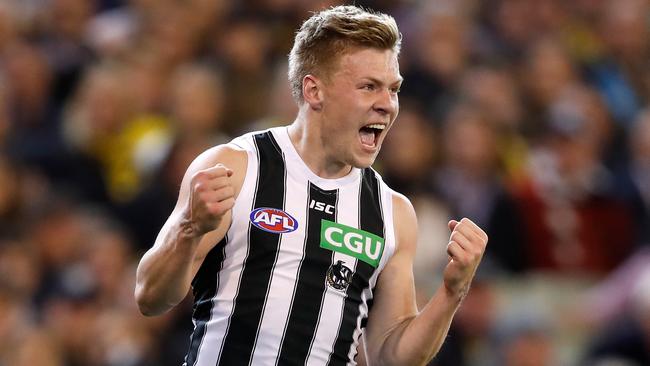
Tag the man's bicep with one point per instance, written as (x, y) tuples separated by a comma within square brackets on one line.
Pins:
[(394, 301)]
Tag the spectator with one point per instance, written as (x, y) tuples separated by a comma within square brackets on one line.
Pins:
[(470, 182), (573, 221), (103, 125), (626, 339)]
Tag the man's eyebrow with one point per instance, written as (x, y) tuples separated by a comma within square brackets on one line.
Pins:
[(379, 82)]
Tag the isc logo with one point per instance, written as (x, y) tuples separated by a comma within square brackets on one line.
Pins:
[(320, 206), (273, 220)]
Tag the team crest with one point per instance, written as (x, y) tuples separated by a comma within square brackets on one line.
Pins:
[(273, 220), (339, 276)]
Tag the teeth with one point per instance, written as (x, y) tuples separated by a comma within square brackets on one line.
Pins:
[(378, 126)]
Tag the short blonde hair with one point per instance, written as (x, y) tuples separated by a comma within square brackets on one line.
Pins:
[(327, 34)]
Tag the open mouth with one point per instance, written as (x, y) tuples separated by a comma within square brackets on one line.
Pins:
[(369, 134)]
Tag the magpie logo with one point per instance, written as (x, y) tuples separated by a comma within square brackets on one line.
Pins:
[(339, 276)]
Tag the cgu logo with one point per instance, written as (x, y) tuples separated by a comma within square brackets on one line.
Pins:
[(273, 220), (357, 243)]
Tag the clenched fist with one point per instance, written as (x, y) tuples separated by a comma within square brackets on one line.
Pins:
[(465, 249), (211, 196)]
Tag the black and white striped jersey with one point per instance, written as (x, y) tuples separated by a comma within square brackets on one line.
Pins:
[(292, 282)]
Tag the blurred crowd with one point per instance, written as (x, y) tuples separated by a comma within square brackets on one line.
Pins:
[(531, 117)]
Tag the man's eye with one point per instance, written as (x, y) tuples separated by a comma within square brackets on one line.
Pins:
[(369, 87), (394, 90)]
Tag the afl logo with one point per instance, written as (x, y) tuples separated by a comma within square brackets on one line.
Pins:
[(273, 220), (339, 276)]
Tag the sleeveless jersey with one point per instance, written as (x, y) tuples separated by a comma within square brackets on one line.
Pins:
[(292, 281)]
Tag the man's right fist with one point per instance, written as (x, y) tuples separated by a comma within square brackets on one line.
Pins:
[(211, 197)]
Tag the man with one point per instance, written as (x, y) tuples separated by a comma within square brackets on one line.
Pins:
[(293, 246)]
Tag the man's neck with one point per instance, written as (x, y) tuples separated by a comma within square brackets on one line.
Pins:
[(306, 137)]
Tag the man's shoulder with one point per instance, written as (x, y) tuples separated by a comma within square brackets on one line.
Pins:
[(228, 152), (231, 156), (237, 147), (246, 141)]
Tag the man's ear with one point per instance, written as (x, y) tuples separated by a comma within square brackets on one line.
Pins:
[(312, 91)]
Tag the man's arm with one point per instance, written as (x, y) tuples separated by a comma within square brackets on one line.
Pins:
[(399, 334), (200, 219)]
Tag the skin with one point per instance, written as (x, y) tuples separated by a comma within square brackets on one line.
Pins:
[(362, 89)]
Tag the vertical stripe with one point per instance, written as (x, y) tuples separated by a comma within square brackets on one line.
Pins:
[(204, 287), (285, 275), (268, 288), (309, 293), (364, 321), (328, 327), (324, 297), (236, 252), (366, 299), (371, 220), (237, 348)]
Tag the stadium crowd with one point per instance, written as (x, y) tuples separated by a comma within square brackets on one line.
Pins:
[(531, 117)]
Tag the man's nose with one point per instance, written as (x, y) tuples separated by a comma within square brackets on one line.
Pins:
[(386, 102)]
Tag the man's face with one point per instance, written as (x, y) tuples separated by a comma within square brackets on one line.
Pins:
[(359, 105)]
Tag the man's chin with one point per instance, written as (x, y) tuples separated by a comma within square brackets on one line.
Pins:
[(364, 162)]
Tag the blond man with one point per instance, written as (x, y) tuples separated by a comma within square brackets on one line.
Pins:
[(295, 249)]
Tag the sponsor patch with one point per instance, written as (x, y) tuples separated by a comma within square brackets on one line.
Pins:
[(273, 220), (357, 243)]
